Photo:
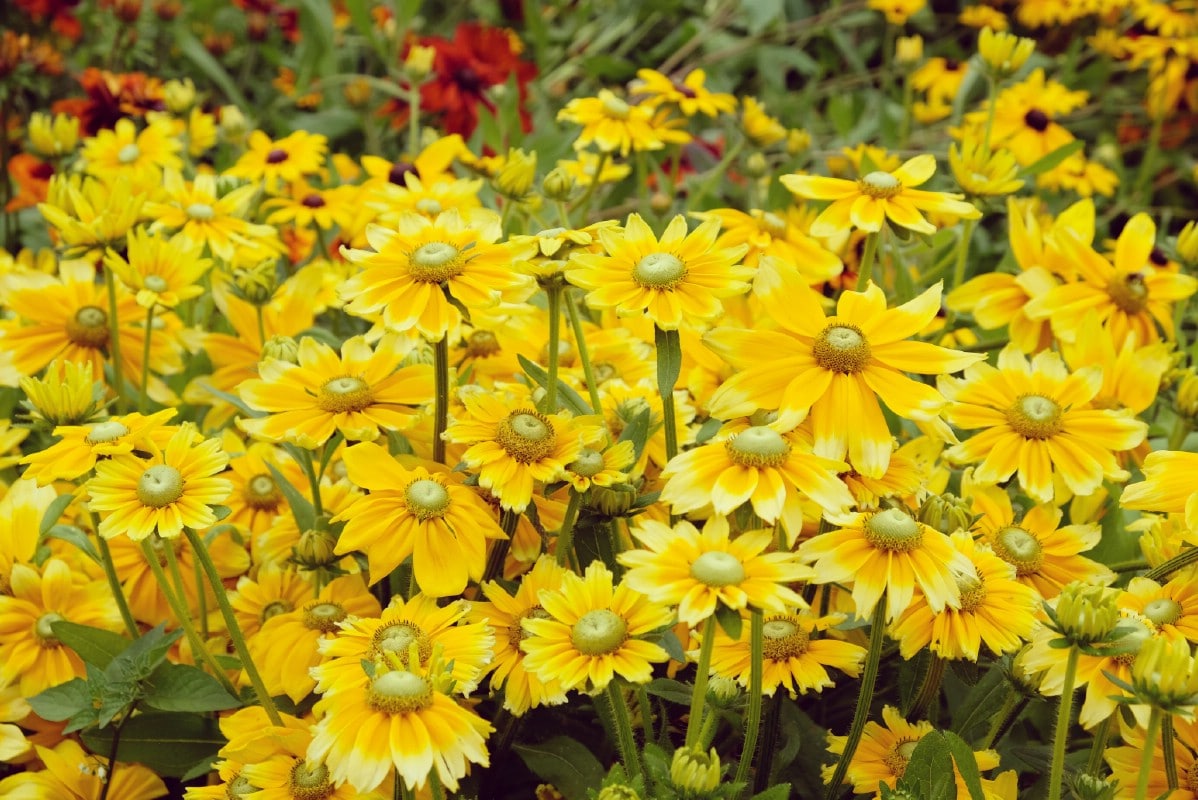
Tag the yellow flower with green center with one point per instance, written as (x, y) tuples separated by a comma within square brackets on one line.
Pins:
[(613, 124), (137, 156), (1173, 607), (443, 525), (81, 446), (680, 278), (592, 632), (89, 214), (358, 393), (202, 212), (835, 367), (1036, 420), (878, 197), (161, 271)]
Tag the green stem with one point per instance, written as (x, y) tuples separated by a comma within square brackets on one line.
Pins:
[(699, 693), (623, 726), (991, 106), (1101, 734), (1061, 731), (1012, 707), (1144, 176), (646, 706), (143, 400), (261, 327), (114, 581), (866, 268), (434, 782), (584, 202), (1182, 559), (440, 397), (114, 341), (756, 675), (1170, 754), (580, 344), (565, 536), (1177, 436), (711, 180), (202, 600), (929, 689), (877, 638), (112, 751), (494, 569), (1154, 728), (554, 294), (769, 745), (313, 482), (226, 610), (962, 253), (669, 362)]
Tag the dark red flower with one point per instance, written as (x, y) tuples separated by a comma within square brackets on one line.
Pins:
[(111, 96)]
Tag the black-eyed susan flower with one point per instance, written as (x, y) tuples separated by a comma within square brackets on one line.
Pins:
[(770, 467), (996, 610), (513, 446), (21, 512), (160, 271), (80, 446), (879, 196), (681, 277), (689, 94), (356, 393), (286, 160), (175, 488), (1025, 117), (202, 212), (612, 123), (443, 525), (289, 775), (889, 552), (795, 656), (593, 632), (272, 591), (1036, 421), (835, 366)]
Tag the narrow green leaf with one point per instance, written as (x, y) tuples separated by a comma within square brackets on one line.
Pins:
[(730, 620), (77, 537), (194, 51), (566, 396), (567, 764), (707, 430), (53, 512), (673, 691), (669, 358), (169, 743), (316, 55), (1053, 159), (967, 764), (636, 431), (93, 645), (779, 791), (301, 508), (179, 687), (233, 400)]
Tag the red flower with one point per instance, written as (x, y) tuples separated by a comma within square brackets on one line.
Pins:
[(31, 176), (112, 96)]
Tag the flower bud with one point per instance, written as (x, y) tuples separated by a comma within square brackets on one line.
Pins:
[(946, 513), (1165, 675), (1187, 394), (1024, 678), (1004, 53), (694, 772), (612, 501), (1086, 613), (722, 691), (256, 285), (315, 548), (233, 124), (660, 202), (1092, 787), (798, 140), (558, 185), (282, 348), (53, 136), (357, 93), (908, 50), (1187, 244), (756, 165), (419, 62), (617, 791), (514, 179), (67, 394), (179, 96)]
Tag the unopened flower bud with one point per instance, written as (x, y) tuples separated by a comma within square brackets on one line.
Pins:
[(1092, 787), (282, 348), (514, 179), (179, 96), (1187, 244), (1187, 394), (694, 772), (612, 501), (908, 50), (315, 548), (1004, 53), (798, 140), (558, 185), (946, 513), (617, 791), (256, 285), (660, 202), (53, 136), (1087, 613), (1165, 675), (756, 165), (419, 62), (232, 122), (722, 691)]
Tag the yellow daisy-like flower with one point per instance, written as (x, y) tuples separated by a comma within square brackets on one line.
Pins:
[(202, 213), (271, 592), (996, 609), (760, 128), (174, 489), (1037, 422), (682, 277), (884, 751), (1168, 486), (160, 271), (75, 454), (600, 467), (879, 196), (889, 553), (768, 466), (1126, 759), (71, 773), (1172, 607), (505, 613), (284, 161), (416, 273), (90, 215), (512, 445), (590, 633), (779, 234), (612, 123), (689, 93), (441, 524), (585, 170), (837, 367), (699, 571), (139, 157), (792, 657), (357, 393), (21, 511)]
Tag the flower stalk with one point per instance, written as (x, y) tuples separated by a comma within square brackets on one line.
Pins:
[(756, 679), (699, 693), (1061, 730), (869, 677)]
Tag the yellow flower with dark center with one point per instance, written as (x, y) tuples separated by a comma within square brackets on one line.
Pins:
[(681, 277), (778, 234), (307, 206), (1037, 420), (795, 653), (878, 197), (81, 446), (835, 367), (1024, 117), (271, 592), (612, 123), (700, 571), (175, 488), (357, 393), (689, 94), (139, 157), (284, 161), (160, 271), (443, 525), (416, 274), (201, 212), (593, 633)]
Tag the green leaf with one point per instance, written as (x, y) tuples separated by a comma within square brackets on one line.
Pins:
[(169, 743), (564, 762), (967, 764), (200, 769), (671, 690), (194, 51), (669, 358), (179, 687), (707, 430), (62, 701), (566, 396), (94, 645), (143, 655), (636, 430), (359, 15), (53, 512), (316, 54), (77, 537), (779, 791), (760, 14), (982, 703), (930, 771), (232, 400), (301, 508), (1053, 159), (673, 647), (730, 620)]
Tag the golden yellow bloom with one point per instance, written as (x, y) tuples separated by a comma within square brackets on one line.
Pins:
[(201, 212), (1004, 53), (71, 773), (90, 215), (614, 124), (284, 161), (161, 271), (66, 394), (515, 178), (879, 196), (600, 467), (1172, 607), (271, 592), (681, 277), (419, 61), (1125, 761), (983, 16), (908, 50), (778, 234), (586, 169), (1167, 485), (897, 11), (138, 157), (983, 175), (53, 137), (760, 128), (21, 512), (1131, 373), (81, 446), (689, 93)]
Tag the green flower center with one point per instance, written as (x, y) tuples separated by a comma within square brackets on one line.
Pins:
[(1035, 416), (716, 569), (344, 395), (128, 154), (159, 486), (275, 609), (1129, 292), (324, 617), (429, 207), (200, 211), (841, 347), (893, 530), (156, 283), (757, 447), (782, 639), (398, 638), (310, 781), (588, 464), (661, 271), (599, 632), (615, 107), (1163, 611), (426, 499), (526, 436), (89, 327), (436, 262), (1020, 549), (880, 185), (972, 589), (44, 631), (262, 493), (604, 372), (399, 692), (240, 787), (105, 432)]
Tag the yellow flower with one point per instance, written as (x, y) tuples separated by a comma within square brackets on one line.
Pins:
[(689, 93), (983, 175), (21, 512), (90, 215), (698, 572), (600, 467), (681, 277), (1004, 53), (760, 128), (271, 592), (1167, 486), (71, 773), (66, 394), (1024, 117), (837, 367), (306, 206), (793, 657), (779, 234), (983, 16), (125, 153), (284, 161), (1037, 421), (1172, 607), (889, 553), (441, 524), (897, 11), (52, 137), (80, 446), (585, 170), (161, 271), (591, 633), (201, 212), (173, 489), (613, 124), (515, 178), (879, 196), (1125, 760), (1131, 374), (419, 61), (357, 393)]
